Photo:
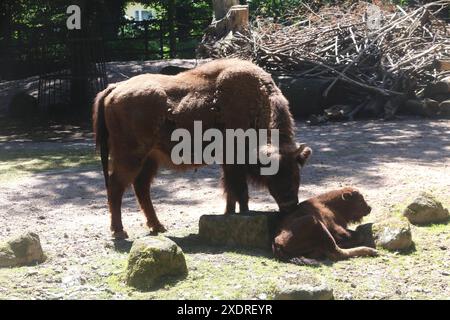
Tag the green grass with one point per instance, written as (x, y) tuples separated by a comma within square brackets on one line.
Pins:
[(217, 274), (234, 276), (17, 163)]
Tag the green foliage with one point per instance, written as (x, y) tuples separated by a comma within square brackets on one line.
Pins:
[(273, 8)]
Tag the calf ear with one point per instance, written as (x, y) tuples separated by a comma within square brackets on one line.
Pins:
[(302, 153)]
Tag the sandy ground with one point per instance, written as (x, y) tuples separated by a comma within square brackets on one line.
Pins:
[(389, 162)]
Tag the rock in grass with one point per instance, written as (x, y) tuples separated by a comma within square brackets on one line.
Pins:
[(21, 251), (392, 234), (426, 209), (249, 230), (303, 288), (153, 259)]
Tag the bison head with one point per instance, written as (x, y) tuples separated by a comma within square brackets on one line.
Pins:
[(283, 186)]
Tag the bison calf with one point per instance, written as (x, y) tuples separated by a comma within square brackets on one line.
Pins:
[(318, 228)]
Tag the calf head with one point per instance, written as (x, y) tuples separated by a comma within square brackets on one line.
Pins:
[(355, 205)]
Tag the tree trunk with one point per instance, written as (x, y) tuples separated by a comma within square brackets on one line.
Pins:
[(221, 7), (236, 20), (171, 24)]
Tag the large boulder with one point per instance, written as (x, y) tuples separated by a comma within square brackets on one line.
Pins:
[(392, 234), (21, 251), (426, 209), (152, 259), (250, 230)]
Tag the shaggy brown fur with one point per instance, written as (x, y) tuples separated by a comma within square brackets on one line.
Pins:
[(133, 121), (318, 228)]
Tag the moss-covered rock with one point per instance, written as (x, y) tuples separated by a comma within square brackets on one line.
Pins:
[(392, 234), (22, 250), (250, 230), (426, 209), (304, 291), (153, 259)]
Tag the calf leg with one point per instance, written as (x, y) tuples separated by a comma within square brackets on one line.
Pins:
[(236, 188), (350, 240), (142, 190), (334, 252)]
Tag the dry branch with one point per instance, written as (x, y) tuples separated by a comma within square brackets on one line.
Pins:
[(394, 58)]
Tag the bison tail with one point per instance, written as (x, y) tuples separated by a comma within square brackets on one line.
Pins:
[(100, 130)]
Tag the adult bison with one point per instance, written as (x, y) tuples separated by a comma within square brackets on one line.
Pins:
[(134, 120)]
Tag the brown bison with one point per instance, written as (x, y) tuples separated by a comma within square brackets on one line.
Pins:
[(318, 228), (134, 119)]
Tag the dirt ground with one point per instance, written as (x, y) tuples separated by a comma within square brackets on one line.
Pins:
[(55, 188)]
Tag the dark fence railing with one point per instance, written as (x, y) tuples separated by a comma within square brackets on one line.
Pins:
[(37, 50)]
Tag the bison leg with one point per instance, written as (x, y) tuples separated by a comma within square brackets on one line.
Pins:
[(116, 189), (142, 190), (236, 188), (124, 171)]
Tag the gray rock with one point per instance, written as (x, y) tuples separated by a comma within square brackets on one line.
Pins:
[(250, 230), (305, 291), (392, 234), (153, 259), (426, 209), (21, 251)]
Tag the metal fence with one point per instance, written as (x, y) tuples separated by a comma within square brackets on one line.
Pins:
[(38, 50)]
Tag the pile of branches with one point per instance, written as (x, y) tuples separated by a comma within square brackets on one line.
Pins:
[(390, 52)]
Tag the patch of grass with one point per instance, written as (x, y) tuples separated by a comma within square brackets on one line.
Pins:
[(18, 163), (225, 275), (438, 228), (43, 130)]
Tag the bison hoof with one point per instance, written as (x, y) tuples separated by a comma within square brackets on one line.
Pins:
[(159, 228), (373, 252), (120, 235)]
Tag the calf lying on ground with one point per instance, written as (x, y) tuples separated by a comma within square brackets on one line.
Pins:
[(318, 228)]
